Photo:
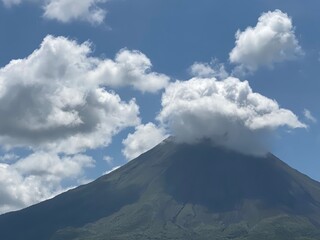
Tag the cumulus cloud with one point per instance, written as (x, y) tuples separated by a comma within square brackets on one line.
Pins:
[(143, 139), (308, 115), (37, 177), (57, 103), (271, 41), (130, 68), (212, 69), (68, 10), (227, 112), (50, 164), (56, 98)]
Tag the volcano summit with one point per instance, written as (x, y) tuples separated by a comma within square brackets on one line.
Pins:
[(180, 191)]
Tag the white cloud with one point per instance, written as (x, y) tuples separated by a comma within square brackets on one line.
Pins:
[(68, 10), (37, 177), (57, 103), (130, 68), (271, 41), (308, 115), (228, 112), (143, 139), (50, 164), (212, 69), (56, 97)]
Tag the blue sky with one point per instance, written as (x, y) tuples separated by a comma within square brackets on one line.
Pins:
[(67, 105)]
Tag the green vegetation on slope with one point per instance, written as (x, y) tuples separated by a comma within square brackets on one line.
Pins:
[(180, 192)]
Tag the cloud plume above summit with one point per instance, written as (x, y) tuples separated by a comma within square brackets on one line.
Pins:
[(227, 112)]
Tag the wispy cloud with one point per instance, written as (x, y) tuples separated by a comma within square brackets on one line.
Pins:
[(308, 115)]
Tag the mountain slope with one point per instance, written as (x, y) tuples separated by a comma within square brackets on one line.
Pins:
[(179, 191)]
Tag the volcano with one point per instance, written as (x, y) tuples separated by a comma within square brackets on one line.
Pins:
[(180, 191)]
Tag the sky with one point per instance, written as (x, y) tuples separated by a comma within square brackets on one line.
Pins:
[(86, 86)]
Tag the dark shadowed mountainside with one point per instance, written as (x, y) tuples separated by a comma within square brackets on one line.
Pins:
[(180, 191)]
